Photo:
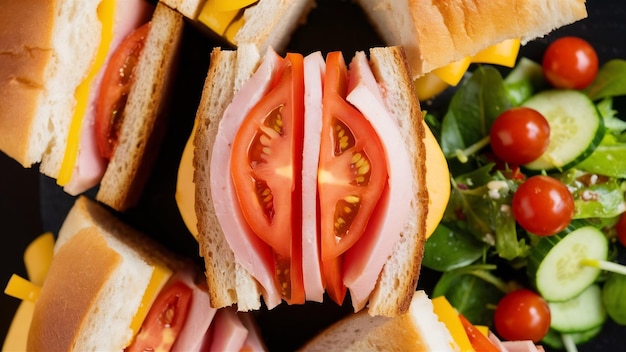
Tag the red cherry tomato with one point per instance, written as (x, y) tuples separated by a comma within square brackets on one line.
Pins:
[(543, 205), (621, 229), (522, 315), (519, 135), (114, 89), (570, 62)]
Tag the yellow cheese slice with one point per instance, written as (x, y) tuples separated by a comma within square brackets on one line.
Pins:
[(185, 188), (453, 72), (17, 336), (437, 181), (449, 316), (106, 14), (229, 5), (504, 54), (160, 276), (38, 257), (224, 17), (21, 288)]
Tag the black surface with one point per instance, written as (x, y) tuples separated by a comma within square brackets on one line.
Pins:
[(30, 204)]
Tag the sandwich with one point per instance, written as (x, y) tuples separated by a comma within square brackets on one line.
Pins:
[(428, 325), (442, 38), (293, 201), (264, 23), (84, 90), (110, 287)]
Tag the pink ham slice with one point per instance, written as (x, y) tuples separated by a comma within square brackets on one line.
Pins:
[(250, 251), (199, 318), (229, 334), (364, 261), (314, 68), (90, 166)]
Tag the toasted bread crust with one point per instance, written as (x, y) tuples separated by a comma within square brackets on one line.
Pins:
[(144, 115), (398, 279), (26, 52), (92, 263), (229, 283), (436, 33)]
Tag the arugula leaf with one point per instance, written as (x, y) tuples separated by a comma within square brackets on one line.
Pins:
[(610, 81), (473, 108)]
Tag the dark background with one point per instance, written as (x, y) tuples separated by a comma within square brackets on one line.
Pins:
[(31, 203)]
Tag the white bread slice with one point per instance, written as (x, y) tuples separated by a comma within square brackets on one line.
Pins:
[(46, 54), (398, 279), (100, 271), (267, 23), (96, 285), (225, 276), (435, 33), (419, 329), (229, 283), (145, 112)]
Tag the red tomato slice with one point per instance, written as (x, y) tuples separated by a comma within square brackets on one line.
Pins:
[(266, 169), (353, 168), (114, 89), (164, 320), (333, 279)]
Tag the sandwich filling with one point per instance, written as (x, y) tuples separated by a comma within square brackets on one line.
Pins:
[(341, 208), (83, 165)]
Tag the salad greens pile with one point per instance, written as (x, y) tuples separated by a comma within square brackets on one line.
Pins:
[(479, 249)]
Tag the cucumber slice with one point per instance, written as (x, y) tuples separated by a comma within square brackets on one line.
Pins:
[(581, 313), (576, 128), (554, 338), (554, 264)]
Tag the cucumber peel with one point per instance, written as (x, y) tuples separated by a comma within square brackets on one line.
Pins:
[(558, 265), (576, 129)]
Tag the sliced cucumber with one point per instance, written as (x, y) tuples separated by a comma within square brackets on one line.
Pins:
[(554, 264), (581, 313), (576, 128), (555, 339)]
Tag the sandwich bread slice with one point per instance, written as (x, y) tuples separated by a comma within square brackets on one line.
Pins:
[(52, 82), (382, 268), (436, 33)]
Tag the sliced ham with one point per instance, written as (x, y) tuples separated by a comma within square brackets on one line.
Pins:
[(250, 251), (90, 166), (199, 318), (229, 334), (364, 261), (314, 68)]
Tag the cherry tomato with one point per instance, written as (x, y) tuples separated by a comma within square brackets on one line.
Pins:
[(543, 205), (570, 62), (522, 315), (164, 320), (621, 229), (266, 168), (114, 89), (352, 168), (519, 135)]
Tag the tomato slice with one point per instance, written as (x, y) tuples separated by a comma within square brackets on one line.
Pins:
[(114, 90), (333, 279), (266, 170), (164, 320), (352, 169)]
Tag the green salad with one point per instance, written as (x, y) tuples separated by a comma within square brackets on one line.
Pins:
[(534, 208)]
